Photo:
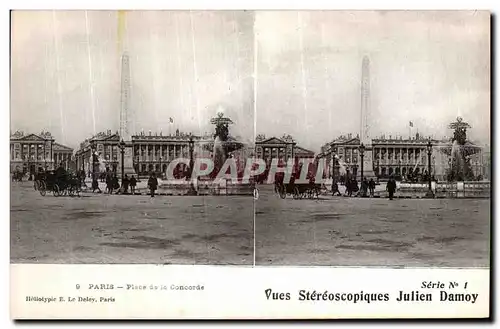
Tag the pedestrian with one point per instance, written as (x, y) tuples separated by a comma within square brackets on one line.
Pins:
[(371, 186), (152, 184), (349, 187), (355, 186), (109, 183), (391, 187), (133, 183), (335, 189), (364, 187), (114, 182), (95, 184), (125, 183)]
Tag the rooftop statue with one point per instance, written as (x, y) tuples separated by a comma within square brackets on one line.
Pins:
[(18, 134), (260, 137)]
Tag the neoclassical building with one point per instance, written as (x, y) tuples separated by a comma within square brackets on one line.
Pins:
[(283, 148), (30, 152), (396, 156), (152, 152)]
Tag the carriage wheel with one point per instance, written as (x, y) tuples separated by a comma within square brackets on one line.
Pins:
[(42, 189), (71, 191), (296, 193), (315, 193), (56, 190), (282, 192), (310, 193)]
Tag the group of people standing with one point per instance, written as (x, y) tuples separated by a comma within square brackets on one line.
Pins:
[(367, 186), (352, 187), (113, 184)]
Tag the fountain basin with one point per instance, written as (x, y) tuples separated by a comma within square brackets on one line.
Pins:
[(447, 190), (208, 187)]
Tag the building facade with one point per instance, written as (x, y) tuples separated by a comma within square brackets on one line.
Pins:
[(63, 155), (31, 152), (284, 148), (152, 152), (396, 156)]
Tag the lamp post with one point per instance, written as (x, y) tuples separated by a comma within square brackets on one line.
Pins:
[(336, 168), (122, 151), (137, 164), (378, 169), (434, 166), (92, 149), (192, 191), (161, 171), (44, 154), (429, 193), (362, 155)]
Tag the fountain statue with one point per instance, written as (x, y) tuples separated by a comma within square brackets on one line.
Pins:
[(223, 143), (459, 165)]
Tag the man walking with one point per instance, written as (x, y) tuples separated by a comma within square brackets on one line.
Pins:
[(125, 183), (391, 187), (95, 184), (335, 189), (371, 186), (152, 184), (364, 188), (109, 183), (114, 183), (133, 183)]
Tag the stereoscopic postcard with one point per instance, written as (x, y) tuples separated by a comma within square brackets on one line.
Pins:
[(246, 164)]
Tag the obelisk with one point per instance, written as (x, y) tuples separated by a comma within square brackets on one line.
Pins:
[(364, 135), (128, 161)]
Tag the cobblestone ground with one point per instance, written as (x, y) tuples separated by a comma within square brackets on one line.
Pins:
[(332, 231), (339, 231), (98, 228)]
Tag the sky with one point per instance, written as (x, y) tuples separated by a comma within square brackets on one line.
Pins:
[(425, 67), (65, 71), (272, 72)]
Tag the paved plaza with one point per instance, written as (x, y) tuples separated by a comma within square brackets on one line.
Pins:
[(341, 231), (331, 231), (100, 228)]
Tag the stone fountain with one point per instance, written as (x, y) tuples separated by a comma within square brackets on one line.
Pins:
[(220, 145), (223, 144), (459, 168)]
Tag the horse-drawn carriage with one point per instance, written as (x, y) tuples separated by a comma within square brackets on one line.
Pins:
[(298, 191), (59, 185)]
